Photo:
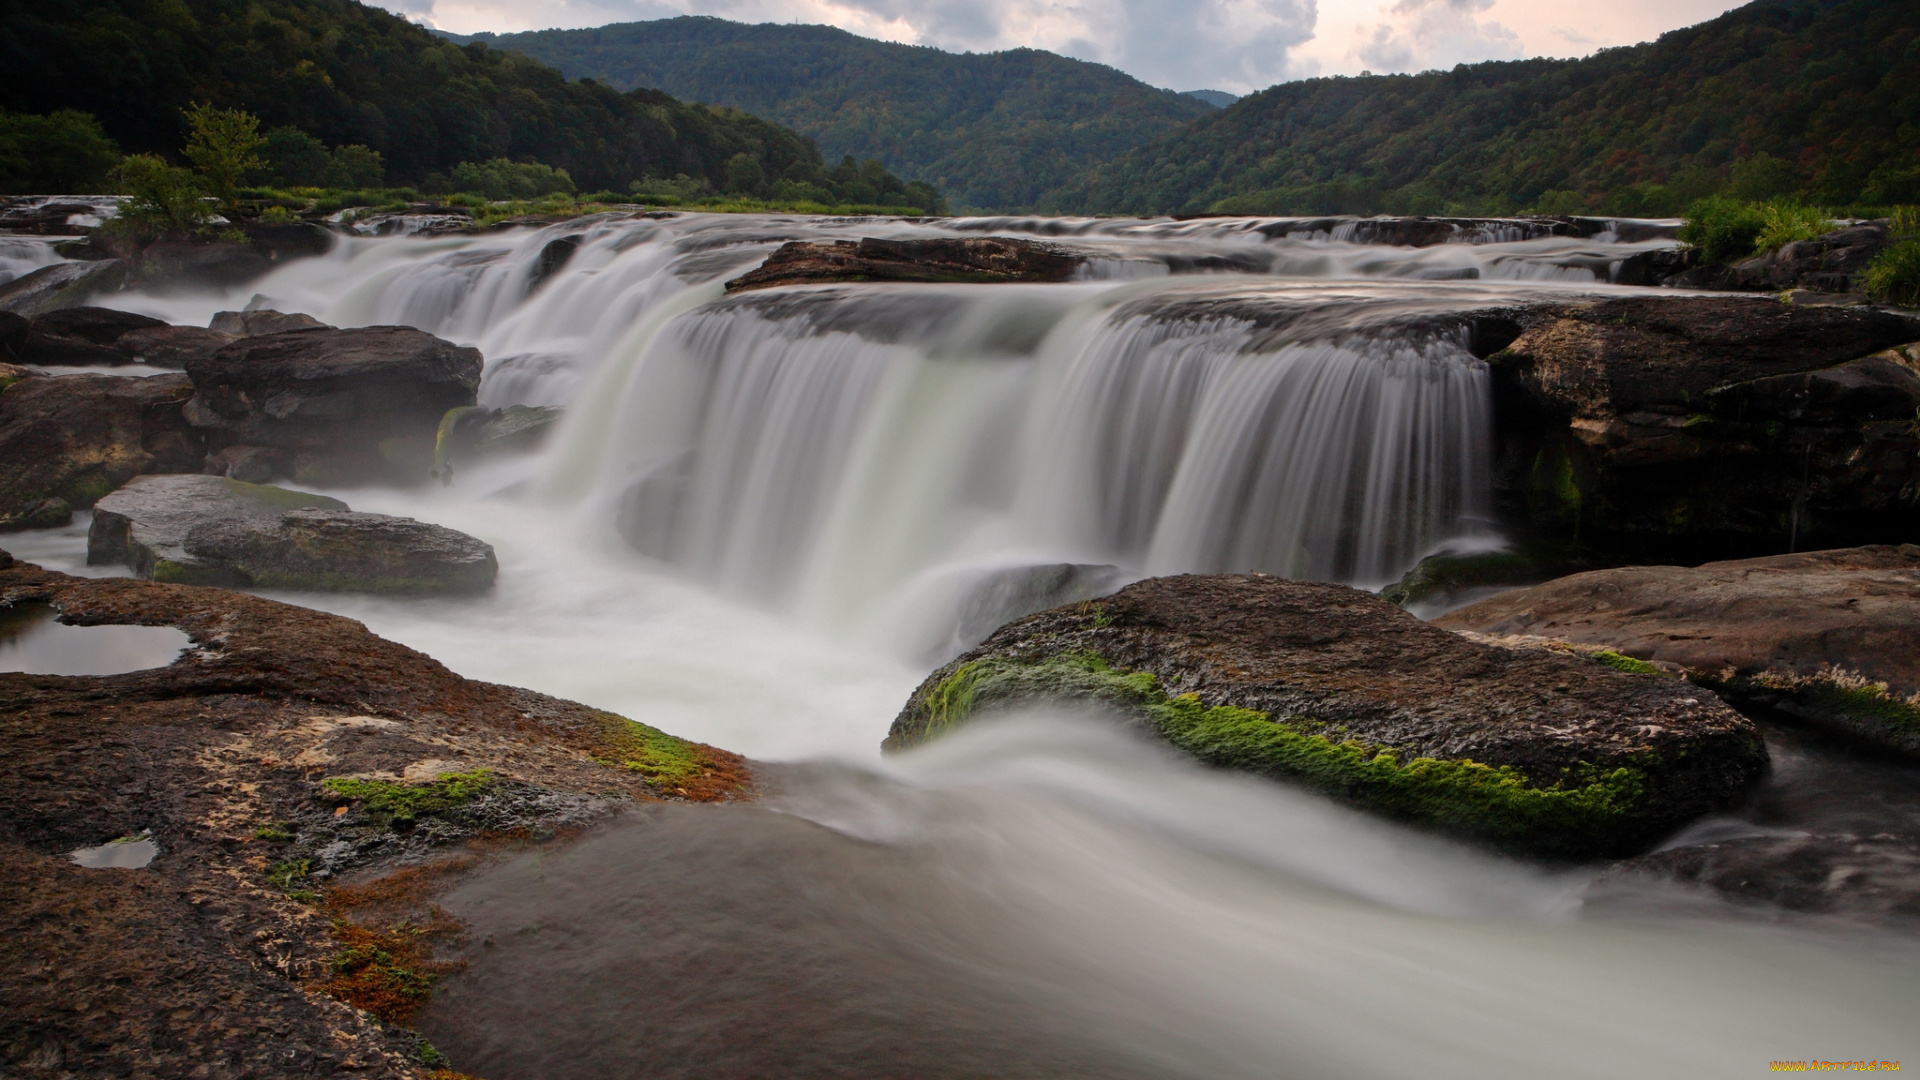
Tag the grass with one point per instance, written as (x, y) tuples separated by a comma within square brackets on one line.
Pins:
[(1786, 223), (1894, 275)]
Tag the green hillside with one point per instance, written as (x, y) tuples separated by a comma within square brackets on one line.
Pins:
[(1817, 98), (992, 131), (351, 74)]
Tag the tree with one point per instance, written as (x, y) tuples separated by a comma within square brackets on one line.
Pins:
[(221, 143), (65, 152), (356, 166), (161, 200)]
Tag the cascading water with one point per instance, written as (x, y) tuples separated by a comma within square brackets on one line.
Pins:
[(765, 514)]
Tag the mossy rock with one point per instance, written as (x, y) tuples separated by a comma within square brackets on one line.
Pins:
[(1529, 751)]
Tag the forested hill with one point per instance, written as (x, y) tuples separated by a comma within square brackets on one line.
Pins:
[(1811, 97), (992, 131), (352, 74)]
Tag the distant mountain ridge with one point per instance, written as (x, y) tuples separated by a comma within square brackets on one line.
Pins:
[(993, 131), (1811, 97)]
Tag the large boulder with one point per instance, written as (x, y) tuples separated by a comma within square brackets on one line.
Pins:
[(332, 406), (968, 259), (1825, 636), (82, 336), (210, 530), (170, 346), (67, 441), (1529, 750), (1686, 428), (1823, 264), (62, 285)]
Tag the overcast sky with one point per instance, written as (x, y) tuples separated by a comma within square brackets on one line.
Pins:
[(1233, 45)]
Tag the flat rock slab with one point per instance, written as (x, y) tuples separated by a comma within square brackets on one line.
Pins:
[(211, 530), (1529, 750), (981, 259), (1808, 634)]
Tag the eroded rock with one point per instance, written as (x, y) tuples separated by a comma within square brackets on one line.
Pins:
[(211, 530), (1825, 636), (65, 442), (334, 406), (1528, 750), (970, 259)]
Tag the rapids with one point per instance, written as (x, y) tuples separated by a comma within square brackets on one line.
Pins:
[(766, 515)]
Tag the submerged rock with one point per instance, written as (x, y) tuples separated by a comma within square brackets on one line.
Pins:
[(65, 442), (334, 406), (968, 259), (1859, 876), (1527, 750), (472, 431), (1684, 428), (1826, 636), (211, 530)]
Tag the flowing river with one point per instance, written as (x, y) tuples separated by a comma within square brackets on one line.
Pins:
[(766, 516)]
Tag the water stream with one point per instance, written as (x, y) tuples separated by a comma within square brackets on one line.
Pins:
[(766, 515)]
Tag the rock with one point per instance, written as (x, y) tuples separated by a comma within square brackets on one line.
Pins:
[(1823, 264), (472, 431), (1655, 267), (173, 265), (1528, 750), (556, 255), (259, 766), (13, 336), (13, 373), (972, 259), (1680, 429), (1444, 579), (263, 321), (62, 285), (73, 439), (210, 530), (1827, 636), (252, 464), (171, 346), (334, 406), (1858, 876), (282, 241), (82, 336)]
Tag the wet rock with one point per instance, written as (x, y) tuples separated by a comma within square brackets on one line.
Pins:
[(62, 285), (1823, 264), (1444, 579), (1687, 428), (1656, 267), (262, 321), (210, 530), (172, 265), (472, 432), (82, 336), (1002, 596), (281, 241), (1824, 636), (1859, 876), (13, 336), (556, 255), (170, 346), (334, 406), (972, 259), (227, 947), (65, 442), (1528, 750)]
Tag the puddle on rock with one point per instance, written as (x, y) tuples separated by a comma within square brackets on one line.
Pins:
[(33, 641), (126, 853)]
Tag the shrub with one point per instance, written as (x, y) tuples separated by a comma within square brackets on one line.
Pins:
[(222, 145), (1724, 229), (161, 200), (503, 179), (357, 166), (1894, 276), (1788, 222), (65, 152)]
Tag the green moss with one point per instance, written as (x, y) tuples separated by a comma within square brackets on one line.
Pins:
[(273, 834), (1588, 809), (663, 759), (406, 803), (88, 488), (285, 875), (1623, 662)]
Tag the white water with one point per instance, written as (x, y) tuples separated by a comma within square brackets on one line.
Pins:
[(763, 512)]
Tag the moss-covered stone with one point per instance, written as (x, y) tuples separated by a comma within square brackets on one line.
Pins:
[(407, 803)]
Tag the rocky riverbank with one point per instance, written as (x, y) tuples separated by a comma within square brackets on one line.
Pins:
[(308, 786)]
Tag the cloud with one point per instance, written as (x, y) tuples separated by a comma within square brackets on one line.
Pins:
[(1417, 35), (1234, 45)]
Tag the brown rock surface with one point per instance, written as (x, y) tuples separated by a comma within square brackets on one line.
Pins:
[(1343, 676), (1805, 634), (205, 962), (70, 440), (969, 259)]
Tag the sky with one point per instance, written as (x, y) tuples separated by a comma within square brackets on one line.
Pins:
[(1233, 45)]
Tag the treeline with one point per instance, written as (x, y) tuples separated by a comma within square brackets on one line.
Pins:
[(994, 131), (327, 76), (1814, 99)]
